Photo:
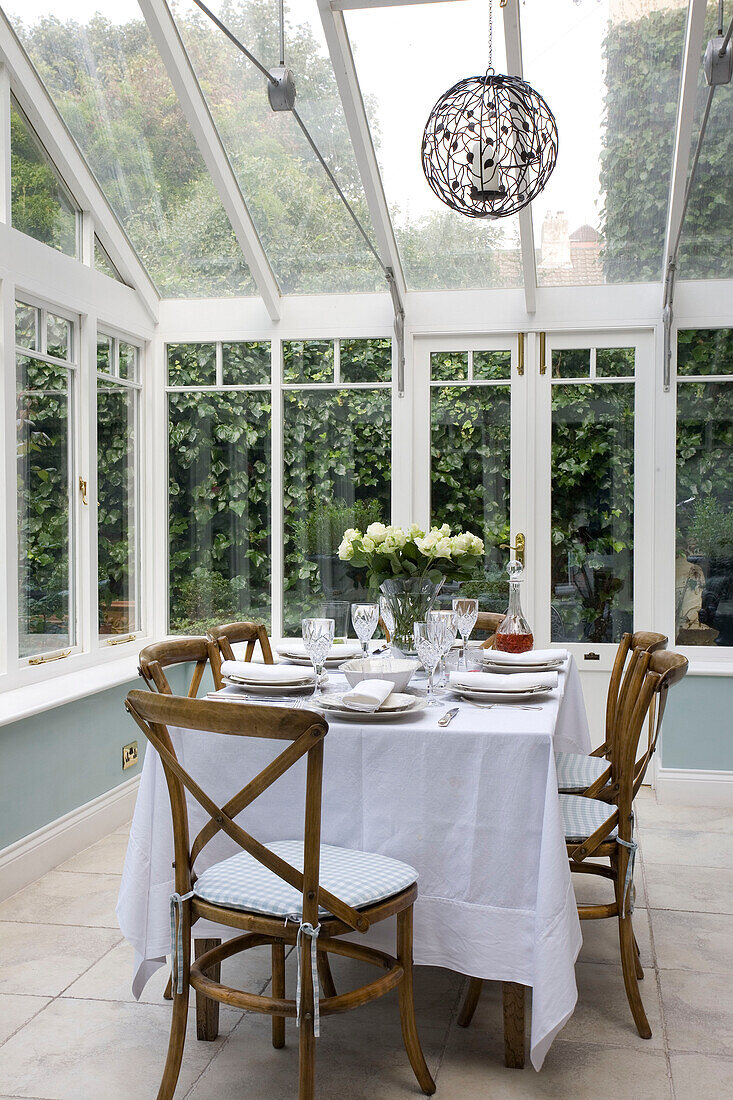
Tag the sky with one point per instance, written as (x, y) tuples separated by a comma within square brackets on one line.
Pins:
[(406, 57)]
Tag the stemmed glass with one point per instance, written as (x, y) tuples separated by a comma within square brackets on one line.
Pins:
[(466, 612), (385, 611), (318, 639), (444, 626), (365, 617), (428, 650)]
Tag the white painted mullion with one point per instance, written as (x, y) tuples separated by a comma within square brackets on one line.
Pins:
[(277, 481), (514, 60), (403, 421), (87, 238), (337, 362), (86, 571), (645, 497), (521, 467), (154, 458), (5, 181), (8, 499)]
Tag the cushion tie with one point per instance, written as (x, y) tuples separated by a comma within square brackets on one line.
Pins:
[(311, 933), (629, 888), (177, 901)]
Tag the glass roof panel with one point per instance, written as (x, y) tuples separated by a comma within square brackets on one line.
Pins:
[(100, 64), (706, 245), (406, 58), (610, 71), (309, 237)]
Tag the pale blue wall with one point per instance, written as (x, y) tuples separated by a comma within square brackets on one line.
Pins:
[(698, 724)]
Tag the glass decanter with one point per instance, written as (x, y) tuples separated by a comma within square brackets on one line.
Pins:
[(514, 634)]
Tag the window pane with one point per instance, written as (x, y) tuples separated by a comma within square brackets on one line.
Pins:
[(103, 263), (129, 356), (192, 364), (705, 351), (492, 364), (704, 571), (246, 364), (219, 508), (615, 362), (571, 363), (45, 618), (337, 474), (592, 512), (58, 337), (41, 206), (366, 360), (26, 326), (308, 361), (469, 475), (449, 366), (117, 508), (104, 353)]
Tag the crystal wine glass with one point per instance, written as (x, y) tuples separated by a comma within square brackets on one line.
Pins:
[(428, 651), (444, 625), (385, 610), (466, 612), (318, 639), (365, 617)]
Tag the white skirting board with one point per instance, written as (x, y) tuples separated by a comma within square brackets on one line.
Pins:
[(682, 787), (27, 859)]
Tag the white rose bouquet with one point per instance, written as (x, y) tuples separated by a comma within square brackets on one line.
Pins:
[(389, 552)]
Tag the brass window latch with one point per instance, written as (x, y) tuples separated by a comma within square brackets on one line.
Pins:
[(83, 490), (519, 547)]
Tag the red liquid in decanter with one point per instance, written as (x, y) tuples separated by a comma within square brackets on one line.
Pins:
[(514, 643)]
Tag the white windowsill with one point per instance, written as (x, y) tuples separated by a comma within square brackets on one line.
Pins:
[(24, 702)]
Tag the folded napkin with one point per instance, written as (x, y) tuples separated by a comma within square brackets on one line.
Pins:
[(368, 695), (295, 647), (498, 681), (270, 674), (533, 657)]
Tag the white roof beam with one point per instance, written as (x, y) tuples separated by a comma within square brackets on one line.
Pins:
[(513, 39), (354, 5), (342, 60), (39, 108), (193, 102), (692, 51)]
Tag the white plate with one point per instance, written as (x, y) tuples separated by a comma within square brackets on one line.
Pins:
[(273, 689), (496, 666), (299, 659), (498, 696), (298, 679), (395, 706)]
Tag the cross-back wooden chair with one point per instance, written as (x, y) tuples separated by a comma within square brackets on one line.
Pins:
[(230, 634), (296, 892), (489, 622), (153, 659), (590, 774), (606, 830)]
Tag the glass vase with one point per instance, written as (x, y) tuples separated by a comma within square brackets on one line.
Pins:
[(409, 599)]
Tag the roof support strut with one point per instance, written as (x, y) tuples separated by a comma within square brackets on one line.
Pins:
[(513, 39)]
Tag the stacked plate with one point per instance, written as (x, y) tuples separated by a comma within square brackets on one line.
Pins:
[(396, 705), (495, 664), (264, 680), (293, 651), (484, 687)]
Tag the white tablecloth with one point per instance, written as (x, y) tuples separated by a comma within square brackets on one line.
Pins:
[(474, 807)]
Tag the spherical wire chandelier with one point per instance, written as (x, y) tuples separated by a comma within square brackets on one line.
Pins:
[(490, 144)]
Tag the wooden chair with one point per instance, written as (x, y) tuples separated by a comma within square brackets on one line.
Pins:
[(489, 622), (606, 830), (224, 637), (591, 774), (296, 892), (174, 651)]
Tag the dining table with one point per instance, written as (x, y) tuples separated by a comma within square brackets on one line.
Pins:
[(473, 806)]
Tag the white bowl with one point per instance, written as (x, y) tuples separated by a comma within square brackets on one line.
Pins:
[(399, 672)]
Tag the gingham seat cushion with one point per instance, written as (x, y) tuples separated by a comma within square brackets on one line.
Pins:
[(358, 878), (576, 772), (582, 816)]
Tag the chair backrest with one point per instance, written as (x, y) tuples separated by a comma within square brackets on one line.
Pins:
[(231, 634), (174, 651), (648, 642), (304, 730), (489, 622)]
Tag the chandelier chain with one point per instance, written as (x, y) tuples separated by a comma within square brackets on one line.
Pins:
[(490, 66)]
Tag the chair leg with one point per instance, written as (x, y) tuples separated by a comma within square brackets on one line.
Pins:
[(207, 1010), (637, 962), (513, 998), (325, 975), (168, 991), (470, 1002), (278, 990), (410, 1036), (306, 1038), (629, 963), (179, 1019)]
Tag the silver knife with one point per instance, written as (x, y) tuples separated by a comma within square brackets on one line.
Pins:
[(448, 717)]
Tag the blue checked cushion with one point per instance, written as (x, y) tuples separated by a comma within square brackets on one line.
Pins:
[(358, 878), (582, 816), (576, 772)]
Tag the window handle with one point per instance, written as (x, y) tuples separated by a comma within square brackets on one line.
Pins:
[(83, 490), (519, 547)]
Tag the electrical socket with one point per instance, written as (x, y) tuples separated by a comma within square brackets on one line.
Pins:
[(129, 755)]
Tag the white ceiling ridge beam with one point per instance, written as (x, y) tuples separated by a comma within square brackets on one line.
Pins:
[(37, 104), (196, 110), (513, 41), (692, 50), (356, 5), (347, 81)]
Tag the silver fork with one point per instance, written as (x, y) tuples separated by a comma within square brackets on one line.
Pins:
[(512, 706)]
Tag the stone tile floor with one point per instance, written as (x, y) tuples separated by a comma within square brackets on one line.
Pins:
[(70, 1030)]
